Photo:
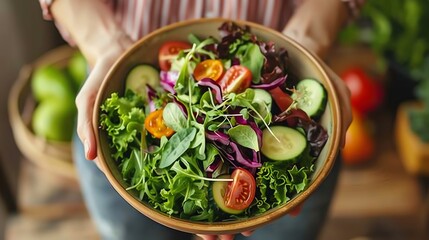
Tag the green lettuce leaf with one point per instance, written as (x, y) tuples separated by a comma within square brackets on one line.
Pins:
[(123, 118), (276, 185)]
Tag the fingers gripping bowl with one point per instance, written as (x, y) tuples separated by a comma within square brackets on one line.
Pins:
[(192, 216)]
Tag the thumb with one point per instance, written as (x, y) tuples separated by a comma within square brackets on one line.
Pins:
[(343, 94), (85, 106)]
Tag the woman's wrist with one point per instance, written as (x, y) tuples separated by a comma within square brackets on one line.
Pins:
[(317, 31), (92, 27), (111, 47)]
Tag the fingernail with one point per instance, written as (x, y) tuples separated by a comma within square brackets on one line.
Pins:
[(86, 147), (247, 234)]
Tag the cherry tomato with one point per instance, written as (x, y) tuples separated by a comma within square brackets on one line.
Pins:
[(154, 123), (366, 93), (209, 68), (236, 79), (168, 51), (360, 145), (241, 191), (282, 99)]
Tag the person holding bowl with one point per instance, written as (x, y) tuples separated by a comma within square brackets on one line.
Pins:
[(104, 29)]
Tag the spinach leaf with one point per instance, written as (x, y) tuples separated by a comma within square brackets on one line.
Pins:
[(245, 136), (174, 117), (176, 146), (251, 57)]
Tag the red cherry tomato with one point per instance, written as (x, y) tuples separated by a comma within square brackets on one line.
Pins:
[(366, 93), (168, 51), (241, 191), (236, 79), (209, 68)]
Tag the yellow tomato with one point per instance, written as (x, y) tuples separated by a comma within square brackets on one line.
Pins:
[(360, 145)]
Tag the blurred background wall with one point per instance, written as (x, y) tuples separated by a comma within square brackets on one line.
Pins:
[(24, 36)]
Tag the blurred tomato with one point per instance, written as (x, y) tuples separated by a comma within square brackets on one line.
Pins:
[(360, 144), (366, 93), (169, 51)]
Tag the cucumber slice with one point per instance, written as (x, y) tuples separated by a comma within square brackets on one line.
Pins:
[(292, 143), (141, 75), (218, 190), (311, 97)]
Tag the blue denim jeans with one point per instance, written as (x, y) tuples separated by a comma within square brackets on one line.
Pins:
[(115, 219)]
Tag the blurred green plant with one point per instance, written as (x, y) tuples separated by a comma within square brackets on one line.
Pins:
[(398, 30)]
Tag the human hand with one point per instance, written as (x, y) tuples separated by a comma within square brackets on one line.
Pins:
[(86, 97), (344, 97), (223, 237), (294, 212)]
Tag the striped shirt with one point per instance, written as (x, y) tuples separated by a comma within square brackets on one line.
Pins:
[(140, 17)]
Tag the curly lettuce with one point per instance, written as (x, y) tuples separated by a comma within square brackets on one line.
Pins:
[(277, 186), (123, 118)]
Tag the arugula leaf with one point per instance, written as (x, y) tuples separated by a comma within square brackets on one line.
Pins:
[(194, 39), (184, 82), (199, 141), (245, 100), (128, 166), (211, 153), (193, 191)]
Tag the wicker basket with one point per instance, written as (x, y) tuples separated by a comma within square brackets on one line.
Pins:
[(53, 156)]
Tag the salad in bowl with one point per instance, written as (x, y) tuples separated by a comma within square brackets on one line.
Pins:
[(220, 130)]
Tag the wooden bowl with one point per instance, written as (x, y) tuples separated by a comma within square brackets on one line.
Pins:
[(304, 65)]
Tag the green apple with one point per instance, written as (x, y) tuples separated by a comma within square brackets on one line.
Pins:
[(54, 120), (49, 82), (77, 68)]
